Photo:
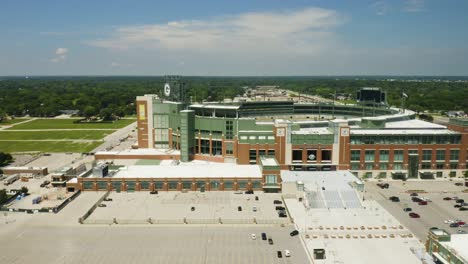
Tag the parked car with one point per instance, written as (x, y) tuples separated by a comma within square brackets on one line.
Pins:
[(460, 201), (394, 198), (416, 199), (279, 254), (454, 225), (249, 192), (256, 198), (108, 200), (287, 253), (458, 184), (102, 205), (457, 206), (239, 208), (447, 198), (449, 221), (277, 202), (280, 208), (254, 209), (407, 209), (383, 185), (422, 203), (253, 236), (414, 215), (282, 214), (414, 194), (264, 237), (154, 192), (294, 233), (433, 228), (463, 209), (461, 231), (270, 241), (461, 223), (192, 208)]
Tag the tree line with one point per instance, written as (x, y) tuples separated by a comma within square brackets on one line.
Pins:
[(115, 96)]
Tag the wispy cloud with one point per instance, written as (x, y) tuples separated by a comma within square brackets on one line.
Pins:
[(381, 7), (414, 6), (60, 55), (300, 31)]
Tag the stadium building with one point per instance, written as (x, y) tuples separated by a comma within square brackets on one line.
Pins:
[(370, 140)]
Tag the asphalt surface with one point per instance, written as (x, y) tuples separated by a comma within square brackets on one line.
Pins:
[(432, 215)]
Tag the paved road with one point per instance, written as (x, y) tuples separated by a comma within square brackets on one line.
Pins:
[(432, 215)]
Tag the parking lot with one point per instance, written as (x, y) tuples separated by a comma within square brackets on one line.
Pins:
[(432, 215), (176, 207)]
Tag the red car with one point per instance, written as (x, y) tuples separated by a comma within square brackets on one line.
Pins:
[(461, 223), (422, 203), (414, 215), (447, 198)]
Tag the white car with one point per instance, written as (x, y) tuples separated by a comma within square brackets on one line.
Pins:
[(253, 236), (287, 253), (254, 208), (449, 221)]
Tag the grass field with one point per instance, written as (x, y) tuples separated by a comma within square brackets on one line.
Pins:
[(12, 121), (40, 135), (68, 124), (51, 146)]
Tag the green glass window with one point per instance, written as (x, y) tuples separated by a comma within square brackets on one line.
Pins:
[(256, 184), (355, 166), (369, 166), (270, 179), (355, 155), (383, 166), (228, 184), (242, 184), (159, 185), (398, 155), (214, 185), (397, 166), (425, 166), (144, 185), (440, 154), (88, 185), (172, 185), (102, 185), (454, 154), (384, 155), (200, 184), (370, 155), (187, 185), (427, 154)]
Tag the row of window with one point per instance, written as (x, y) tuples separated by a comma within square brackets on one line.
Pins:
[(405, 139), (399, 166), (398, 155), (173, 185)]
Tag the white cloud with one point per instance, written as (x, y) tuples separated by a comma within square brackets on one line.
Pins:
[(60, 55), (414, 6), (381, 7), (306, 31)]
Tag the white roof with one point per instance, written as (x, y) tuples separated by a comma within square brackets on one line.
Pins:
[(140, 152), (24, 168), (215, 106), (221, 170), (401, 131), (458, 245), (266, 161), (332, 180), (413, 123)]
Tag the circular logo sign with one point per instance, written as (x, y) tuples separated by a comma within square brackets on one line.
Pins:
[(167, 89), (311, 157)]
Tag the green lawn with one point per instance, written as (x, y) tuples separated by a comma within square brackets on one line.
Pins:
[(68, 124), (51, 146), (39, 135), (12, 121)]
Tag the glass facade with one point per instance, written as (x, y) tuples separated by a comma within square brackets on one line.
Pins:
[(270, 179), (454, 154), (427, 154)]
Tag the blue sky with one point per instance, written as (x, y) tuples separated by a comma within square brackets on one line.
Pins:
[(242, 37)]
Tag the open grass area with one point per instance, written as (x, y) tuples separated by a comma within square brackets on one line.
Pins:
[(12, 121), (50, 146), (41, 135), (68, 124)]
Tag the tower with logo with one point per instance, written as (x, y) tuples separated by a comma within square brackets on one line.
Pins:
[(175, 89)]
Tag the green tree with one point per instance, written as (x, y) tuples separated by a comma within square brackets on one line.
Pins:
[(89, 111), (24, 190), (3, 196), (5, 158)]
